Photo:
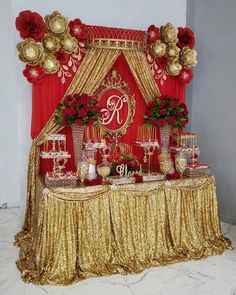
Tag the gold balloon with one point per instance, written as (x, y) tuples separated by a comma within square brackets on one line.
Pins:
[(56, 24), (174, 68), (69, 43), (50, 64), (188, 58), (159, 48), (30, 51), (173, 51), (169, 33), (50, 43)]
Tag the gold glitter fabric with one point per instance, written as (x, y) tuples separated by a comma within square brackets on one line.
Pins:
[(106, 229)]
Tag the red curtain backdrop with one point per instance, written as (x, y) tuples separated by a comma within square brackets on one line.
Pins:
[(49, 93)]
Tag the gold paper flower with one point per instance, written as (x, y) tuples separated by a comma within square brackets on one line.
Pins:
[(56, 24), (188, 58), (30, 51), (173, 51), (69, 43), (50, 64), (159, 48), (174, 68), (169, 33), (50, 43)]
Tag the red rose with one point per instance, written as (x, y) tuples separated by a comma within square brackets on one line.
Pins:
[(163, 111), (74, 104), (171, 120), (65, 112), (161, 122), (149, 113), (90, 121), (151, 104), (179, 114), (183, 105), (78, 122), (185, 38), (85, 99), (62, 56), (71, 111), (162, 61), (138, 178), (34, 74), (63, 122), (185, 76), (153, 34), (162, 103), (172, 104), (77, 29), (30, 25), (184, 123), (116, 156), (77, 96), (185, 112), (82, 113)]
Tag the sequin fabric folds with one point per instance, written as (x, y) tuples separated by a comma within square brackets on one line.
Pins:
[(102, 230)]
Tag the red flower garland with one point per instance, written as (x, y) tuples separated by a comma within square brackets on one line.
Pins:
[(62, 56), (30, 25)]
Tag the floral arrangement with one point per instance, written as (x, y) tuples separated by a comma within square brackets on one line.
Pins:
[(117, 159), (90, 182), (164, 110), (77, 109), (51, 45), (170, 52)]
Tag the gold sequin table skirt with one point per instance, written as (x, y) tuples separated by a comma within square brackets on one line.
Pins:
[(103, 230)]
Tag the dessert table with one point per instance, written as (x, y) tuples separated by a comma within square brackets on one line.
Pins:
[(107, 229)]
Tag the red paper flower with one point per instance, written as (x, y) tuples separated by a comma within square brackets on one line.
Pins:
[(185, 38), (185, 76), (77, 29), (34, 74), (162, 61), (30, 25), (153, 34), (62, 56)]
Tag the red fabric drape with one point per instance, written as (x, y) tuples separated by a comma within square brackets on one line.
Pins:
[(49, 93)]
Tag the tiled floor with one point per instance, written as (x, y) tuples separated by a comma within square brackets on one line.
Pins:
[(214, 275)]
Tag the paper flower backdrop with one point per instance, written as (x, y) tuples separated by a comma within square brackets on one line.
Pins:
[(52, 45), (170, 52)]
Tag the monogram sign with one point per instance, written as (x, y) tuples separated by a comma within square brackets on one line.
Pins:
[(117, 105)]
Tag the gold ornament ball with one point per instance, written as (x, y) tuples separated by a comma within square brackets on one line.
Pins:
[(159, 48)]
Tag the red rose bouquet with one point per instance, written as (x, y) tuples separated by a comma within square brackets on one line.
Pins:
[(164, 110), (77, 109)]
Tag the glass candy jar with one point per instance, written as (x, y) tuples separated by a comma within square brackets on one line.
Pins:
[(180, 163), (82, 169), (104, 169)]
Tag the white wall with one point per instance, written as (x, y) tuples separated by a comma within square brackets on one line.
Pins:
[(214, 94), (16, 91)]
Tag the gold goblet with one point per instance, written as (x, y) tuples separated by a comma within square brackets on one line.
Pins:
[(104, 170)]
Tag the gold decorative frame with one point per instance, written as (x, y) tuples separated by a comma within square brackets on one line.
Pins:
[(114, 81)]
